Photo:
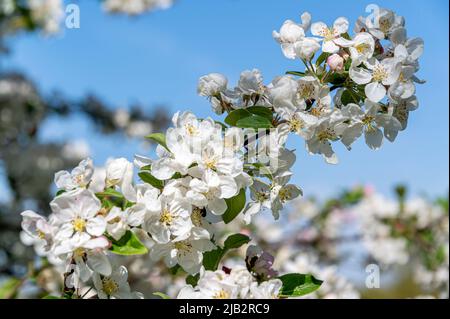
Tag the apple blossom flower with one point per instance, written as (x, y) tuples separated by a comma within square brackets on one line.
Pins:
[(119, 172), (306, 48), (114, 286), (211, 191), (376, 76), (171, 221), (188, 253), (290, 33), (331, 36), (80, 176), (76, 213), (369, 122), (362, 48)]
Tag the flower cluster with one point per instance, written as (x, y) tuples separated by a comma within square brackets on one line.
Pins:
[(240, 282), (360, 84), (207, 172), (237, 284)]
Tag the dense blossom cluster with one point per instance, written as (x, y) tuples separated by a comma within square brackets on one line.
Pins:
[(205, 169), (360, 84)]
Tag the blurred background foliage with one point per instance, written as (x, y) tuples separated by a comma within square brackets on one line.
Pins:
[(27, 163)]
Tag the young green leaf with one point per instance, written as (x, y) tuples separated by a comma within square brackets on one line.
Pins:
[(175, 269), (111, 197), (162, 295), (297, 73), (234, 206), (236, 241), (159, 138), (295, 285), (254, 121), (192, 280), (61, 191), (323, 57), (261, 111), (236, 115), (128, 245), (150, 179), (9, 288), (211, 259)]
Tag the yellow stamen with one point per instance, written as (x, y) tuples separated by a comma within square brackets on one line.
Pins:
[(379, 73), (222, 294), (211, 163), (191, 130), (362, 47), (368, 122), (79, 224), (79, 252), (109, 286), (284, 195), (325, 135), (197, 217), (296, 124), (183, 246), (166, 217)]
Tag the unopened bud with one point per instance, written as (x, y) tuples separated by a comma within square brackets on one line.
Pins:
[(335, 62)]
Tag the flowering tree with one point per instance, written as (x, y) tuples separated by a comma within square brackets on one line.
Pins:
[(209, 173), (26, 162)]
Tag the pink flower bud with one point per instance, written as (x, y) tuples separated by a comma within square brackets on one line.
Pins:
[(335, 62)]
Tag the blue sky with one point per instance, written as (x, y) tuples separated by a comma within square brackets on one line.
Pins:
[(157, 59)]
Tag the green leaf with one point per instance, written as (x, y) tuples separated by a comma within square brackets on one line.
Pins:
[(211, 259), (323, 57), (349, 97), (254, 121), (297, 73), (261, 111), (262, 169), (337, 78), (162, 295), (295, 285), (234, 206), (236, 115), (175, 269), (192, 280), (251, 117), (51, 297), (111, 196), (152, 180), (9, 288), (61, 191), (109, 193), (159, 138), (128, 245), (236, 241)]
